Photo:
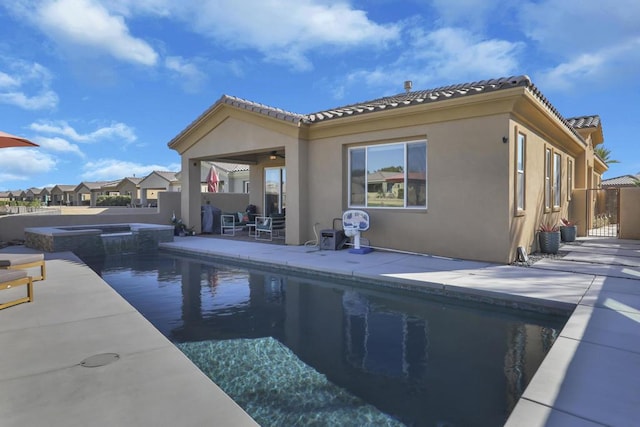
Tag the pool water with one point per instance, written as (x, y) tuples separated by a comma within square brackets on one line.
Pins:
[(329, 348)]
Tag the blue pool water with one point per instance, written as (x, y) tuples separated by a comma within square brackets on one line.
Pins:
[(300, 351)]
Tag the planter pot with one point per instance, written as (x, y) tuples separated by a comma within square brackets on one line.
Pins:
[(549, 242), (568, 233)]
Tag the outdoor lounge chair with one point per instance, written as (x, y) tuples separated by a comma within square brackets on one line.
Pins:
[(12, 261), (269, 225), (11, 278)]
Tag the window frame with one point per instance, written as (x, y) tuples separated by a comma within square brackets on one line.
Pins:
[(521, 158), (404, 145), (557, 180), (570, 174), (547, 180)]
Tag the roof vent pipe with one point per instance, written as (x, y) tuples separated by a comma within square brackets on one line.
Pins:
[(407, 85)]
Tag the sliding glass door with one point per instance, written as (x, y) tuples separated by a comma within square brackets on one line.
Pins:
[(275, 190)]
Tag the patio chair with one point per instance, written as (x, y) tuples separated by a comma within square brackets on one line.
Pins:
[(9, 279), (270, 225), (12, 261), (263, 226)]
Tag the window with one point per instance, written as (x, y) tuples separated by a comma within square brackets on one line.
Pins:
[(557, 174), (388, 175), (520, 175), (569, 178), (547, 179)]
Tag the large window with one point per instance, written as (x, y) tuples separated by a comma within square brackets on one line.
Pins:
[(557, 174), (547, 178), (388, 175), (520, 169)]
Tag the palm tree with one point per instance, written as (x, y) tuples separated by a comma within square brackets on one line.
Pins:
[(605, 155)]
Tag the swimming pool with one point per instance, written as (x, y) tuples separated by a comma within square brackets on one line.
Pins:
[(335, 351)]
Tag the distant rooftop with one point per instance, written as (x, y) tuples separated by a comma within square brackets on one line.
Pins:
[(622, 181)]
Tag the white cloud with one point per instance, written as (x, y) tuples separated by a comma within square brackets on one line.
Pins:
[(26, 85), (470, 13), (86, 26), (287, 30), (440, 57), (605, 67), (24, 164), (187, 72), (118, 131), (574, 27), (108, 169), (590, 41), (59, 145)]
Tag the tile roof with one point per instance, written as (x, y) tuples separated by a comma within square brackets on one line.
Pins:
[(91, 185), (622, 181), (584, 121), (133, 179), (65, 187), (422, 97), (404, 99), (169, 176), (261, 108)]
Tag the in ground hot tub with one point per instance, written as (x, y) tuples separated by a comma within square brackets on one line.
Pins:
[(99, 239)]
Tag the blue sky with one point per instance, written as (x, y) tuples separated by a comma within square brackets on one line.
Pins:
[(103, 86)]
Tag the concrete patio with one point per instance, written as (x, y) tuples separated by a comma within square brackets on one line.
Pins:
[(588, 377)]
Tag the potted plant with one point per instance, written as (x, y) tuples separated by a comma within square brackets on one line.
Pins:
[(178, 226), (568, 230), (549, 238)]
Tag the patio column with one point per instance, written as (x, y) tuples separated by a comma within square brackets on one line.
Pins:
[(190, 193), (296, 162)]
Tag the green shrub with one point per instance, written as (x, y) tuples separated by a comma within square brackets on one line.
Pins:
[(113, 201)]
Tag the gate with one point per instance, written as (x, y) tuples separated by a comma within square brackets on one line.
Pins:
[(603, 212)]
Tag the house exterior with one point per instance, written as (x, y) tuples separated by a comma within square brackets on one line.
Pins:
[(86, 193), (62, 194), (41, 195), (466, 171), (157, 181), (130, 186), (232, 177)]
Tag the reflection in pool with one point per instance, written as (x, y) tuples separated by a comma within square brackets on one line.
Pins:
[(424, 361)]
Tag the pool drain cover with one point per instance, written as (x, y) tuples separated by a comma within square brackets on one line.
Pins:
[(99, 360)]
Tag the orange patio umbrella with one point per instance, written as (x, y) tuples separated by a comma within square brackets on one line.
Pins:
[(8, 140)]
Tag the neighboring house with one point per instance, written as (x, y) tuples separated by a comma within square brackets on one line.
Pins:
[(41, 195), (62, 194), (232, 177), (110, 188), (18, 195), (5, 196), (130, 186), (622, 181), (155, 182), (87, 192), (475, 168)]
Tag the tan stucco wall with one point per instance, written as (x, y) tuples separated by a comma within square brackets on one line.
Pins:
[(470, 172), (466, 160), (227, 202), (233, 135), (630, 213), (12, 226), (524, 225)]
